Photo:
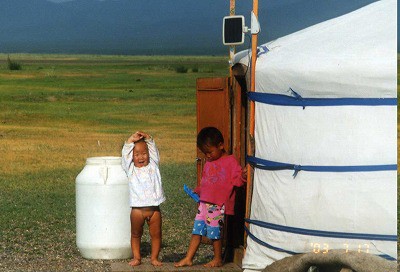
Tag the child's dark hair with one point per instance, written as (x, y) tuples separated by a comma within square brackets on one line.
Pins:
[(140, 140), (209, 136)]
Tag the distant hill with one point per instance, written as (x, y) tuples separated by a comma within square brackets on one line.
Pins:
[(146, 26)]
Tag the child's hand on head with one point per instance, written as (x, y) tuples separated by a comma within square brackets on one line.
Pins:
[(135, 137), (144, 135)]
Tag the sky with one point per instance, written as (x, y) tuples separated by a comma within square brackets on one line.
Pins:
[(149, 26), (299, 13)]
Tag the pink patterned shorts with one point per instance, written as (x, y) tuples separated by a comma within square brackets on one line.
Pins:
[(209, 220)]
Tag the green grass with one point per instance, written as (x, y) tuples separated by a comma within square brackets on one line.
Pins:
[(38, 210), (60, 109)]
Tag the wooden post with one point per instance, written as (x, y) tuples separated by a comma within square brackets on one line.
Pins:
[(250, 140), (232, 11)]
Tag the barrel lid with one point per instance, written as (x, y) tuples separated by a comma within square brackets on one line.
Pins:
[(106, 160)]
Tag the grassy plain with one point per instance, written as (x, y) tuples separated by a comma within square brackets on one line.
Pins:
[(61, 109)]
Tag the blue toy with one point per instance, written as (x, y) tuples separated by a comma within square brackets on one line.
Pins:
[(191, 193)]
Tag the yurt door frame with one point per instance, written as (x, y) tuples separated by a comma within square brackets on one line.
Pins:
[(221, 103)]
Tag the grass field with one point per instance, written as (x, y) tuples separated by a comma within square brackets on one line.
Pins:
[(61, 109)]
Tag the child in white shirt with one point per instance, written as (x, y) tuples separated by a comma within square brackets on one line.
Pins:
[(140, 161)]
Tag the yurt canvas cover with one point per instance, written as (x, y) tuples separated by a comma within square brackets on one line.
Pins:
[(325, 139)]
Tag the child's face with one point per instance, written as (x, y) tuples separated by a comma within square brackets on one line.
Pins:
[(140, 154), (213, 152)]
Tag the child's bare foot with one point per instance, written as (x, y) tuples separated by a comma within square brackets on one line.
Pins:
[(156, 262), (183, 262), (214, 263), (135, 262)]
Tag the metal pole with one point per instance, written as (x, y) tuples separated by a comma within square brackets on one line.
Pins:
[(250, 141), (232, 11)]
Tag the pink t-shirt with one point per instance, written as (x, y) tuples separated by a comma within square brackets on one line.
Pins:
[(217, 182)]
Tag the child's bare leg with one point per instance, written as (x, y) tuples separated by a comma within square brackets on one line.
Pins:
[(193, 246), (137, 222), (155, 235), (217, 260)]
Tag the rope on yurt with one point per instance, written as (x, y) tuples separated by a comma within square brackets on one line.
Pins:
[(297, 100), (272, 165), (254, 238), (331, 234), (315, 233)]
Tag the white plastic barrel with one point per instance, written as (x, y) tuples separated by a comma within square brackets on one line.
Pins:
[(102, 210)]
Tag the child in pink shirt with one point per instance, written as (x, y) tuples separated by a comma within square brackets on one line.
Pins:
[(221, 173)]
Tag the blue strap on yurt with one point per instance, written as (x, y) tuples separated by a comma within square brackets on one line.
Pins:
[(297, 100), (261, 50), (254, 238), (266, 244), (272, 165), (331, 234)]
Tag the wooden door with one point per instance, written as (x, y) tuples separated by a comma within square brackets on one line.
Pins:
[(213, 109), (222, 104)]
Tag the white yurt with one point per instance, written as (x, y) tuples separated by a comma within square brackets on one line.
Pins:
[(325, 139)]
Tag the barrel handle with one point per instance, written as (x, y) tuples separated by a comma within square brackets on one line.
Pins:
[(104, 174)]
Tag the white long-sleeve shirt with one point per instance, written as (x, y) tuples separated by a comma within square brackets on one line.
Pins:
[(145, 187)]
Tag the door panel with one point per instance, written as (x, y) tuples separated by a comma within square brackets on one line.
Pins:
[(213, 109), (223, 104)]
